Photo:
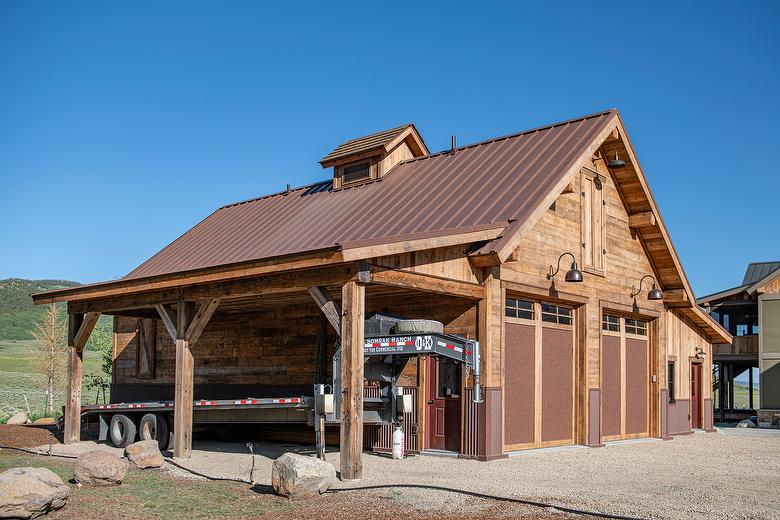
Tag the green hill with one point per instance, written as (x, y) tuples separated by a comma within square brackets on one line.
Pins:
[(17, 312)]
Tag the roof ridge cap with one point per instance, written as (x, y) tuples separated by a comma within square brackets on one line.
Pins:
[(513, 135)]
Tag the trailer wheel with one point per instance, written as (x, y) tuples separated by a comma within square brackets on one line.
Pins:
[(169, 421), (153, 426), (122, 430)]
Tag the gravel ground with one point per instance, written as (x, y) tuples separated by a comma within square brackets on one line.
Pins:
[(734, 473)]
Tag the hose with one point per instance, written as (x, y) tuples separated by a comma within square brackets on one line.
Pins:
[(565, 509), (251, 482)]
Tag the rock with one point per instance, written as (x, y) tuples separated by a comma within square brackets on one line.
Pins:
[(45, 420), (31, 492), (17, 418), (100, 468), (145, 454), (296, 476)]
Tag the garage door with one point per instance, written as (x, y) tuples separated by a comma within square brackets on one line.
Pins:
[(539, 374), (625, 369)]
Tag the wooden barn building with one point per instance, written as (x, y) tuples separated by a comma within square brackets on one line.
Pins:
[(470, 237)]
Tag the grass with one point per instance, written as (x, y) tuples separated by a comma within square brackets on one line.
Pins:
[(17, 379), (154, 494)]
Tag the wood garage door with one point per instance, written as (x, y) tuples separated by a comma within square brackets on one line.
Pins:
[(539, 374), (625, 378)]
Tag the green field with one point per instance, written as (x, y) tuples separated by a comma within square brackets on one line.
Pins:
[(18, 379)]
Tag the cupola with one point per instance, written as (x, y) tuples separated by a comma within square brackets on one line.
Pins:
[(368, 158)]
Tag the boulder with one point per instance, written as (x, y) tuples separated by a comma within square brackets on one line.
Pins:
[(31, 492), (17, 418), (100, 468), (45, 421), (145, 454), (297, 476)]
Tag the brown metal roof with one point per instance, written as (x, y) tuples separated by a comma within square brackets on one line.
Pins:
[(364, 144), (483, 185)]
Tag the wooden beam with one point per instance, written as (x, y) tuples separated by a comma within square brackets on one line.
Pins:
[(85, 329), (351, 442), (675, 296), (642, 220), (184, 379), (328, 307), (271, 284), (199, 322), (168, 320), (424, 282)]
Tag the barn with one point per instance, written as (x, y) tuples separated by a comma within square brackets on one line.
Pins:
[(546, 246)]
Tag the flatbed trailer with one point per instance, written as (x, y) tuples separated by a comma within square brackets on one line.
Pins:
[(122, 422)]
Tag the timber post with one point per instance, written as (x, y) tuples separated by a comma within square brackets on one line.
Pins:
[(185, 365), (351, 440), (79, 328)]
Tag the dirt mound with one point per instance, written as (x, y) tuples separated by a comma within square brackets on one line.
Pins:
[(25, 436)]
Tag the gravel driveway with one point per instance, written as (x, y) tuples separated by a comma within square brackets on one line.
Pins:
[(734, 473)]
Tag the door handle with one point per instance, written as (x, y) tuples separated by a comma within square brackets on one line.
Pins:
[(430, 402)]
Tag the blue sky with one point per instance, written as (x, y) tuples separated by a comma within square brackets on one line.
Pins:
[(124, 124)]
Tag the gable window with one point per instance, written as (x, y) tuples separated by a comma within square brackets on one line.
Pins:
[(552, 313), (593, 222), (515, 308), (670, 375), (357, 172)]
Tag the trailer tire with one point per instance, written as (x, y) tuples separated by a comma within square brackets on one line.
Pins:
[(153, 426), (122, 430), (169, 421)]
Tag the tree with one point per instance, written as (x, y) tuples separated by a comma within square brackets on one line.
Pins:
[(48, 352)]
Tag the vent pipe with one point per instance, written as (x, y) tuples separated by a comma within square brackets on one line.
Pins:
[(454, 144)]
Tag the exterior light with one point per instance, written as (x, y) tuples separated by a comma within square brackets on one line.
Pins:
[(572, 275), (616, 162), (700, 354), (654, 294)]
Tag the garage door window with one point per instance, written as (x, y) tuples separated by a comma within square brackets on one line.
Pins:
[(556, 314), (610, 323), (519, 309), (637, 327)]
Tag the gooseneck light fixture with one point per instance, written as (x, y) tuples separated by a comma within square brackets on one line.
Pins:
[(572, 275), (616, 162), (653, 294)]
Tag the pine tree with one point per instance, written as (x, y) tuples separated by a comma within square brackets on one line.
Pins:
[(48, 352)]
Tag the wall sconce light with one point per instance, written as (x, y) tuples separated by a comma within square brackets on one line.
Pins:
[(700, 354), (654, 293), (616, 162), (572, 275)]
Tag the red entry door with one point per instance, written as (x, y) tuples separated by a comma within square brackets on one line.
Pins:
[(443, 404), (696, 395)]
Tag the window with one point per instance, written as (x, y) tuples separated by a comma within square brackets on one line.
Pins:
[(593, 223), (610, 323), (448, 383), (519, 309), (356, 172), (638, 327), (672, 386), (556, 314)]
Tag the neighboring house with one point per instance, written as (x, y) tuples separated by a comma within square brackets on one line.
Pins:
[(751, 313), (468, 237)]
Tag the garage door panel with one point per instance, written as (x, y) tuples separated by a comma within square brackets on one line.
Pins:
[(519, 392), (636, 386), (557, 384), (610, 385)]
